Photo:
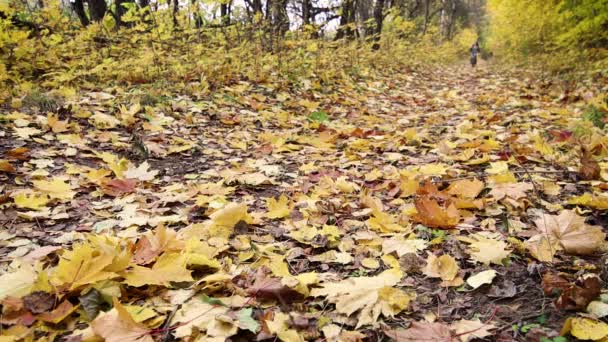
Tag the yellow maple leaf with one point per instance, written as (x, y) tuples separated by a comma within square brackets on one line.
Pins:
[(486, 248), (370, 296), (585, 328), (277, 209), (497, 168), (279, 326), (444, 267), (31, 200), (56, 125), (118, 166), (385, 223), (18, 283), (170, 267), (590, 200), (83, 265), (199, 314), (55, 188)]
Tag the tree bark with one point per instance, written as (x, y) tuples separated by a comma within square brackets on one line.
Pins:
[(225, 13), (346, 19), (427, 5), (78, 8), (379, 19), (175, 10), (97, 9), (279, 19), (306, 13)]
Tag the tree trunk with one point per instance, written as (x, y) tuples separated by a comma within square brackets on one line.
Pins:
[(279, 19), (97, 9), (379, 19), (306, 13), (175, 10), (225, 13), (427, 5), (78, 8), (346, 19)]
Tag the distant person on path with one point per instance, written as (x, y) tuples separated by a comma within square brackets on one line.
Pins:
[(475, 50)]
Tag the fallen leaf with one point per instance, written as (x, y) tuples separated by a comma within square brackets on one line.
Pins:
[(117, 325), (481, 278), (589, 169), (466, 188), (119, 187), (566, 231), (421, 331), (444, 267), (585, 328), (486, 248), (370, 296), (432, 214), (467, 330), (6, 166), (277, 208)]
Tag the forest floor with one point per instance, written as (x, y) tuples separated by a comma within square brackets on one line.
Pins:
[(448, 204)]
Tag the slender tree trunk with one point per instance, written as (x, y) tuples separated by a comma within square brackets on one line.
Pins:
[(198, 18), (379, 19), (175, 11), (306, 13), (78, 8), (97, 9), (346, 19), (279, 19), (427, 5), (225, 13)]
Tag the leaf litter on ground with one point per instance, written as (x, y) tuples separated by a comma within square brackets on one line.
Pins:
[(399, 209)]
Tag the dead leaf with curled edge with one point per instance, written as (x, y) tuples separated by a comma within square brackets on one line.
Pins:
[(573, 295), (566, 231), (432, 214)]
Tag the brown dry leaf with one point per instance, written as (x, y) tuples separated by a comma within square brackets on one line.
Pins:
[(511, 190), (431, 214), (119, 187), (566, 231), (572, 295), (61, 312), (266, 287), (467, 330), (117, 325), (421, 331), (466, 188), (56, 125), (150, 246), (589, 169), (6, 166), (19, 153)]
